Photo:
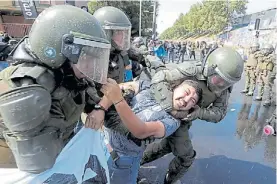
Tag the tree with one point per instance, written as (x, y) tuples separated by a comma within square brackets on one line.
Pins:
[(132, 9), (209, 16)]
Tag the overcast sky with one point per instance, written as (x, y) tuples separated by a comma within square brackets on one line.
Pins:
[(169, 10)]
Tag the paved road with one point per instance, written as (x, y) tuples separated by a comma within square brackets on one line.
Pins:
[(233, 151)]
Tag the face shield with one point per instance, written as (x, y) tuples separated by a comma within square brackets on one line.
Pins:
[(89, 55), (217, 82), (120, 36)]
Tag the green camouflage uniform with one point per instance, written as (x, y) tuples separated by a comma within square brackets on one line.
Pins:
[(250, 75), (264, 68), (270, 81)]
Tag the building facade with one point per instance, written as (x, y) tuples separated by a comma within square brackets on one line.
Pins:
[(257, 27), (13, 22)]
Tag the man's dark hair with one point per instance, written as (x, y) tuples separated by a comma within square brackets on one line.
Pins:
[(196, 86)]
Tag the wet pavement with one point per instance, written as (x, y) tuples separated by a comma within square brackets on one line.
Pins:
[(234, 151)]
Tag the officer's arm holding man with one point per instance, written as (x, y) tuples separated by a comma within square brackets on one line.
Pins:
[(160, 85), (214, 113)]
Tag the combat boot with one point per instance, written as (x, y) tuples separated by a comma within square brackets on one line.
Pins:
[(169, 179), (267, 102), (244, 91), (260, 93), (249, 94), (258, 98)]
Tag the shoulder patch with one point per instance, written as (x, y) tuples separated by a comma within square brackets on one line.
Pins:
[(50, 52)]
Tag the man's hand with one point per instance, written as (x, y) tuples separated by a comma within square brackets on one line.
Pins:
[(195, 114), (95, 119), (112, 91)]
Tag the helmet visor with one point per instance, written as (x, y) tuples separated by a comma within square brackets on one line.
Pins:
[(90, 55), (218, 82), (93, 62), (120, 36), (122, 39)]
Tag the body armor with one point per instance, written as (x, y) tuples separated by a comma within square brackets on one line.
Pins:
[(250, 72), (41, 98), (264, 68), (269, 83), (51, 108), (252, 61)]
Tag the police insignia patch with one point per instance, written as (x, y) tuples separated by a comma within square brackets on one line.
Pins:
[(50, 52)]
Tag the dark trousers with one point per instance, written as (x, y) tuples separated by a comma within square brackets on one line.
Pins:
[(180, 145), (192, 53), (181, 56)]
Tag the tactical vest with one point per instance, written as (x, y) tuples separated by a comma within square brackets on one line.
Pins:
[(259, 55), (66, 104), (48, 133), (252, 61), (268, 63)]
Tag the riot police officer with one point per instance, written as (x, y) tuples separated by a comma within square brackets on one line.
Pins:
[(216, 79), (44, 93), (250, 69), (139, 43), (265, 66), (271, 58), (118, 30)]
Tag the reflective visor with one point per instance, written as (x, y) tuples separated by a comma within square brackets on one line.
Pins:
[(90, 57), (217, 82), (94, 63), (121, 36)]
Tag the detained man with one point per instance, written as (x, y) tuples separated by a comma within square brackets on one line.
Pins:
[(144, 117)]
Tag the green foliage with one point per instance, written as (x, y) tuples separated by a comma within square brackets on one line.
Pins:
[(132, 9), (209, 16)]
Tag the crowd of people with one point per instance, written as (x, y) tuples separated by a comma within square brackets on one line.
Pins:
[(174, 52), (69, 82)]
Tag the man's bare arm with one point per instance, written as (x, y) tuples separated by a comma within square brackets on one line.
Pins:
[(137, 127)]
